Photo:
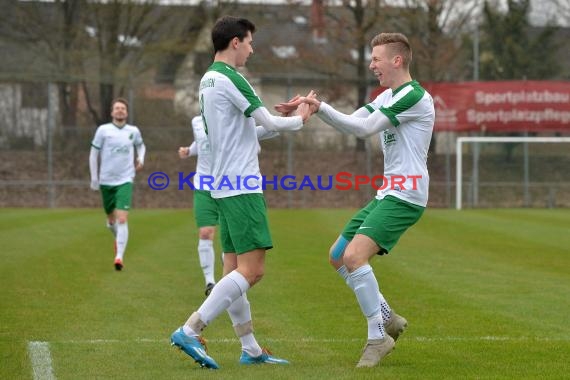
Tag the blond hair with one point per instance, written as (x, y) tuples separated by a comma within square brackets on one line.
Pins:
[(398, 44)]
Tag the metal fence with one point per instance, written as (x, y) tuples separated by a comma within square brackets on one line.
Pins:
[(55, 173)]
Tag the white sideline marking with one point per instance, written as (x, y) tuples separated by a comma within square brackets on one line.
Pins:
[(40, 357), (334, 340)]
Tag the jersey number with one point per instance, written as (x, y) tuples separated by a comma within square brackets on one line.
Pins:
[(202, 113)]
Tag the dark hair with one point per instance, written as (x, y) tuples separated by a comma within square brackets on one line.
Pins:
[(227, 28), (119, 100)]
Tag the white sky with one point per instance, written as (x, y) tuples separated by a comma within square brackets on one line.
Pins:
[(542, 11)]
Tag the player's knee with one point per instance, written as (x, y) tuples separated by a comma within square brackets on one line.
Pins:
[(122, 219), (335, 263), (351, 260), (255, 276), (336, 252), (206, 233)]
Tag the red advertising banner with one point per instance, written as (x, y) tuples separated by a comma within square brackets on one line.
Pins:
[(510, 106)]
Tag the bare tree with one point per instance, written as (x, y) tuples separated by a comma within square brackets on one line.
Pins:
[(435, 29), (507, 39), (50, 34), (348, 30), (98, 48), (126, 37), (69, 33), (365, 15), (553, 12)]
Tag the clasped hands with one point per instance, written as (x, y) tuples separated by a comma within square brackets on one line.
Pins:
[(303, 106)]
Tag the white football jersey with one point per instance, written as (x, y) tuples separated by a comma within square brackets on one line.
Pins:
[(116, 147), (406, 143), (226, 103)]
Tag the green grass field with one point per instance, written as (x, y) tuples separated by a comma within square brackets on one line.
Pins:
[(486, 294)]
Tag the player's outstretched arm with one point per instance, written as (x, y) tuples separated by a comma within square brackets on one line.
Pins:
[(287, 108), (264, 134), (277, 123), (361, 123), (357, 123)]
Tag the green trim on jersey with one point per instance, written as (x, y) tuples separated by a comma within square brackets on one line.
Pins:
[(405, 103), (241, 84), (95, 146), (369, 108)]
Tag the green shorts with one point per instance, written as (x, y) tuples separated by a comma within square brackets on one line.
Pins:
[(205, 209), (384, 221), (117, 197), (243, 223)]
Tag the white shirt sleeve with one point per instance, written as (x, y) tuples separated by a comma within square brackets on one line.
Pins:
[(94, 163), (99, 138), (264, 134), (276, 123), (138, 137), (193, 149), (361, 112), (141, 151), (357, 124)]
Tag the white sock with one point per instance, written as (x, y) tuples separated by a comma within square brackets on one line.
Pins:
[(112, 228), (226, 291), (240, 313), (375, 327), (369, 298), (207, 259), (343, 272), (188, 331), (122, 239), (385, 309)]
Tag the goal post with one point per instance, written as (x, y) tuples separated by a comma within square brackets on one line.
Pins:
[(488, 139)]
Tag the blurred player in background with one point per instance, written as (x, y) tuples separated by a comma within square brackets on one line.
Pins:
[(206, 211), (403, 117), (114, 145)]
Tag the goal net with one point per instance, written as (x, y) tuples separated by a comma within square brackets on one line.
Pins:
[(512, 172)]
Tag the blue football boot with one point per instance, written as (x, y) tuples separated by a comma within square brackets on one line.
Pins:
[(193, 346), (265, 357)]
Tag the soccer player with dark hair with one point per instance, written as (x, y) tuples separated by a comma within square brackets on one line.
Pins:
[(231, 110)]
